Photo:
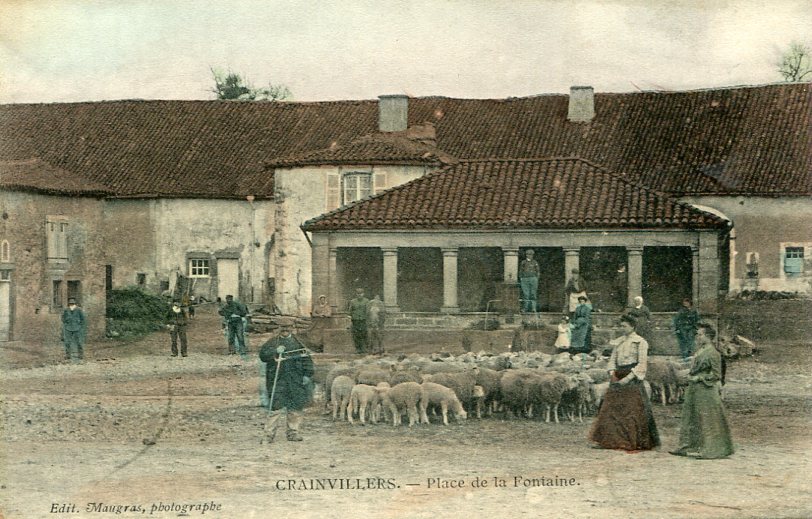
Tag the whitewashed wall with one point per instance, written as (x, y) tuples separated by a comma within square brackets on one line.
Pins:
[(302, 194)]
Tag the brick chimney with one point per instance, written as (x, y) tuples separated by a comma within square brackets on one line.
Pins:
[(393, 113), (582, 104)]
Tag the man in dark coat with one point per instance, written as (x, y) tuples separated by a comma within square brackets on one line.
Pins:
[(529, 272), (293, 381), (233, 312), (177, 322), (359, 310), (685, 325), (73, 330)]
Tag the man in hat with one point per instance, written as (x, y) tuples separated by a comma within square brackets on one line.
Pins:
[(233, 312), (359, 310), (73, 329), (176, 322), (288, 379), (529, 273)]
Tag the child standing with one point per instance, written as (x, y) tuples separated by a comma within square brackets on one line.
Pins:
[(562, 342)]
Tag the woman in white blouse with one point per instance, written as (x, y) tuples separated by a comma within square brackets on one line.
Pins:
[(624, 419)]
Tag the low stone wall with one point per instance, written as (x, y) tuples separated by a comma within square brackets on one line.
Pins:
[(434, 332), (784, 319)]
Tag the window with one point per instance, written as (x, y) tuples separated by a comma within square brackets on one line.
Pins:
[(56, 231), (140, 279), (198, 268), (5, 251), (56, 295), (75, 291), (356, 186), (793, 261)]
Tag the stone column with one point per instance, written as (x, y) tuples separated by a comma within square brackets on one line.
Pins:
[(450, 281), (390, 279), (334, 295), (572, 260), (708, 273), (320, 266), (635, 270), (511, 274)]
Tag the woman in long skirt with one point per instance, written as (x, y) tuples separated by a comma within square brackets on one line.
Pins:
[(625, 420), (704, 431)]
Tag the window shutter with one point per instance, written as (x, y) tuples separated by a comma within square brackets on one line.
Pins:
[(333, 191), (50, 237), (63, 240), (380, 182)]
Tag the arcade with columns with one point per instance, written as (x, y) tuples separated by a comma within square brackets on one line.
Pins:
[(454, 273)]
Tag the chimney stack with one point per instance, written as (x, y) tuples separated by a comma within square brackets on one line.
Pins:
[(582, 104), (393, 113)]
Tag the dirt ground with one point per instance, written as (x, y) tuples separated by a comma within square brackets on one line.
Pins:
[(180, 438)]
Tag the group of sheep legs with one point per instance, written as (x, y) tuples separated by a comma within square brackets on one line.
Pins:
[(518, 384)]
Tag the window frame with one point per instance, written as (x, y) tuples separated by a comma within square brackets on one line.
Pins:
[(356, 176), (200, 270)]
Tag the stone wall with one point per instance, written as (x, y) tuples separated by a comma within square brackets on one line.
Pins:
[(33, 313)]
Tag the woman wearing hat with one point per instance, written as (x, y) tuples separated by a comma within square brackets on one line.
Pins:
[(624, 419), (582, 327)]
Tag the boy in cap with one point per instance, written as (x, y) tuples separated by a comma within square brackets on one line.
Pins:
[(73, 329)]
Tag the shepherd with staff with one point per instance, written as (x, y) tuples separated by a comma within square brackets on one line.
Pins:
[(288, 378)]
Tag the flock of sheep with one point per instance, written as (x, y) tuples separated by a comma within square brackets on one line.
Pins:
[(516, 384)]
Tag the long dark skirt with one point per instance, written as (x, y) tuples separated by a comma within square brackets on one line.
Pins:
[(625, 420)]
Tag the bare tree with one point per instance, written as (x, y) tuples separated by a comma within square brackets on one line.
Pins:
[(233, 86), (795, 64)]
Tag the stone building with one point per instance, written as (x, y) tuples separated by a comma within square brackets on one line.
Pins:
[(51, 249), (217, 191), (450, 242)]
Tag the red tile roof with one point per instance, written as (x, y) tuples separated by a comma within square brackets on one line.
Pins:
[(379, 148), (39, 176), (744, 140), (517, 194)]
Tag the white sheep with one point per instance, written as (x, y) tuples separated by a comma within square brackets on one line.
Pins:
[(435, 394), (363, 397), (340, 392)]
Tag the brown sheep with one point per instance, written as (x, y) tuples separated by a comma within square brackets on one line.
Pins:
[(403, 397)]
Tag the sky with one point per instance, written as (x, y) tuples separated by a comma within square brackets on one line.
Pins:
[(91, 50)]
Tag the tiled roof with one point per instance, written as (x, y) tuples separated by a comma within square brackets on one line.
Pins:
[(745, 140), (517, 193), (379, 148), (39, 176)]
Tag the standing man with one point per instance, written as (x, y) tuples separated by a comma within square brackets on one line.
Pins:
[(288, 375), (529, 272), (359, 308), (73, 330), (376, 317), (685, 325), (233, 312), (176, 322), (574, 290)]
